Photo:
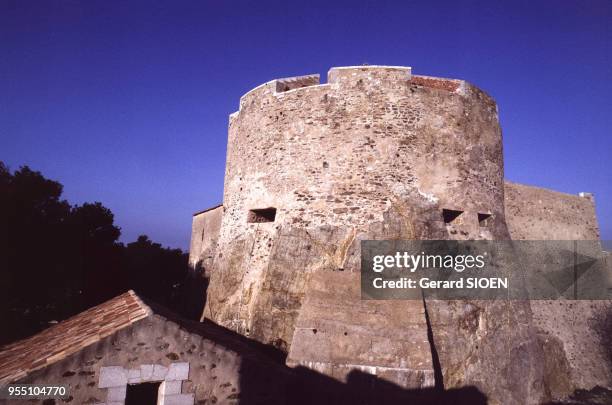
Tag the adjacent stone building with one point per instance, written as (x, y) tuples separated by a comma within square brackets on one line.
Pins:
[(125, 352), (380, 153)]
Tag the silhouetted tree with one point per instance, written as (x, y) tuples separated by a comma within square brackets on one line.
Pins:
[(31, 250), (57, 260), (156, 272)]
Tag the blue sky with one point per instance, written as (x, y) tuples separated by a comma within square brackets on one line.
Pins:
[(127, 102)]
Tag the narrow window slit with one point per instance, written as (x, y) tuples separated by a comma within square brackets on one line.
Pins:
[(261, 215), (450, 215), (484, 219)]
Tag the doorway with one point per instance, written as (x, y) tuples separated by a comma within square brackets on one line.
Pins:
[(142, 394)]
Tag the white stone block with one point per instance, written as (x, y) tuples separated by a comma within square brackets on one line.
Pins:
[(159, 372), (116, 394), (146, 372), (178, 371), (171, 387), (112, 377), (178, 399), (134, 376)]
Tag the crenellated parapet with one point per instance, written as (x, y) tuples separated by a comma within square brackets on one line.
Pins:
[(360, 76), (371, 137), (374, 153), (312, 169)]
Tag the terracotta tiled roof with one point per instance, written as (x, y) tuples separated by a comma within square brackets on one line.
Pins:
[(67, 337)]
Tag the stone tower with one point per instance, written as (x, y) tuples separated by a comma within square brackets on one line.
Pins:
[(375, 153)]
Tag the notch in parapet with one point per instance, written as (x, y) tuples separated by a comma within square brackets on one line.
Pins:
[(440, 83), (277, 86), (297, 82)]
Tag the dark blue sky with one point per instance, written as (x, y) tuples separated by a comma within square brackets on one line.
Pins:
[(127, 102)]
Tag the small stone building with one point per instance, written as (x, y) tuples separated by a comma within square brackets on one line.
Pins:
[(125, 352)]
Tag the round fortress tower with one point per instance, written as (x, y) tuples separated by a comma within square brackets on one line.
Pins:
[(373, 146), (344, 152), (313, 169)]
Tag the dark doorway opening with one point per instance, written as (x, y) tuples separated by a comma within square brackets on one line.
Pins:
[(262, 215), (450, 215), (142, 394)]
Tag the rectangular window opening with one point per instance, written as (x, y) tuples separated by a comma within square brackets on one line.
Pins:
[(450, 215), (262, 215), (142, 394), (484, 219)]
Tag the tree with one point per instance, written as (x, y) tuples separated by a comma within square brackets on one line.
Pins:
[(32, 216), (156, 272), (57, 260)]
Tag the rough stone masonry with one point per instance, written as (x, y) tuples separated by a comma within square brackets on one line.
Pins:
[(379, 153)]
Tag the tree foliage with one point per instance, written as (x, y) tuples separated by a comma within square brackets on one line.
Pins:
[(57, 260)]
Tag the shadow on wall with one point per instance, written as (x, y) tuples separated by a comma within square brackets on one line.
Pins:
[(272, 382), (306, 386), (364, 388), (265, 379), (595, 396), (194, 293)]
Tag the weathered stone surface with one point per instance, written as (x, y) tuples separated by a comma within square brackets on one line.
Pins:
[(178, 399), (204, 233), (489, 344), (134, 376), (376, 153), (372, 336), (146, 372), (112, 377), (171, 387), (534, 213), (379, 153), (177, 371), (159, 372), (568, 331), (368, 144), (116, 394)]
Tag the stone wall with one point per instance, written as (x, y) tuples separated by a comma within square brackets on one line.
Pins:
[(205, 229), (193, 368), (569, 332), (534, 213)]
